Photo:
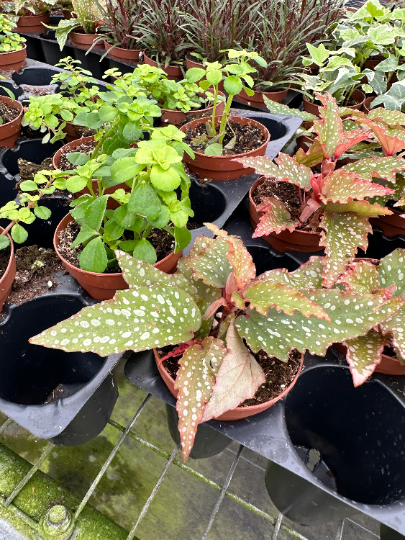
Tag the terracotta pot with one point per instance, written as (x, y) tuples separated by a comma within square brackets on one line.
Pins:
[(84, 41), (303, 241), (33, 23), (233, 414), (14, 59), (367, 103), (388, 365), (358, 96), (67, 14), (392, 225), (104, 286), (6, 281), (372, 63), (173, 73), (178, 118), (10, 132), (257, 99), (222, 167), (119, 53), (71, 131)]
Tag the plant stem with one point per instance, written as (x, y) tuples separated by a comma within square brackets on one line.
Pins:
[(103, 138), (214, 109), (224, 119)]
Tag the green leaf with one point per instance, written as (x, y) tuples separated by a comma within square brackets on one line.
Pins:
[(19, 234), (182, 237), (233, 85), (28, 185), (195, 380), (77, 158), (307, 276), (144, 201), (279, 108), (342, 235), (238, 378), (107, 113), (84, 236), (275, 218), (64, 27), (392, 271), (382, 34), (93, 258), (318, 54), (329, 127), (361, 277), (364, 355), (395, 325), (94, 214), (213, 149), (144, 251), (343, 185), (193, 75), (132, 132), (165, 180), (66, 115), (4, 241), (133, 320), (88, 119), (125, 169), (214, 77), (76, 183), (211, 265), (384, 167), (112, 231), (42, 212)]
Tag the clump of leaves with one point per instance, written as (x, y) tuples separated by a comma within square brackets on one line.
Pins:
[(87, 17), (120, 18), (276, 312), (17, 8), (342, 197), (9, 40)]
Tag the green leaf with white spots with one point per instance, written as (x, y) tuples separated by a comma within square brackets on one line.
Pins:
[(286, 168), (211, 265), (275, 218), (135, 319), (351, 315), (343, 186), (363, 355), (279, 108), (361, 277), (390, 117), (264, 294), (395, 325), (342, 235), (392, 271), (363, 208), (195, 381), (238, 378), (384, 167), (307, 276), (329, 127)]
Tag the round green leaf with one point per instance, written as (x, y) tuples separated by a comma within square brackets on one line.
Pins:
[(195, 74), (214, 77), (18, 234), (164, 180), (42, 212), (4, 241), (233, 85), (28, 185), (145, 251), (75, 183)]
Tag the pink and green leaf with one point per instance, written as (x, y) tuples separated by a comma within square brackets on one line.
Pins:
[(390, 117), (349, 140), (329, 127), (363, 208), (395, 325), (384, 167), (361, 277), (392, 271), (275, 218), (364, 354), (195, 381), (212, 265), (312, 157), (342, 235), (307, 276), (238, 378), (344, 186), (390, 144)]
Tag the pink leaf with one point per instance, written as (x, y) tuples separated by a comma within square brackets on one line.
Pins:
[(343, 186), (390, 145), (213, 308), (350, 138), (276, 218), (311, 207)]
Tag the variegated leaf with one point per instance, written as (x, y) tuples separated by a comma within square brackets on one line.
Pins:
[(363, 355), (395, 325), (343, 186), (392, 271), (390, 117), (384, 167), (275, 218), (263, 294), (351, 315), (286, 168), (307, 276), (238, 378), (329, 127), (363, 208), (195, 381), (361, 277), (279, 108), (212, 265), (342, 235), (312, 157), (390, 145), (349, 140), (135, 319)]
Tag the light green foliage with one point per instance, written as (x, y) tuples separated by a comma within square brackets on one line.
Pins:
[(9, 40), (27, 7)]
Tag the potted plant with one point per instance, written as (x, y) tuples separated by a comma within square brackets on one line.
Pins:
[(54, 114), (331, 207), (217, 325), (163, 36), (13, 50), (30, 16), (85, 21), (118, 28), (216, 142), (11, 112)]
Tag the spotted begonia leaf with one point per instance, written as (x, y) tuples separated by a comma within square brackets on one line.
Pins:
[(392, 271), (363, 208), (343, 186), (361, 277), (329, 127), (312, 157), (390, 145), (350, 139), (275, 218), (286, 168), (384, 167), (263, 294), (351, 315), (395, 325), (238, 378), (195, 381), (390, 117), (135, 319), (307, 276), (342, 235), (363, 355), (212, 265)]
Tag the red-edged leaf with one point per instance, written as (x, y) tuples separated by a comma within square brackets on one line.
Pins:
[(350, 139), (238, 378), (263, 294), (311, 207), (216, 230), (384, 167), (361, 277), (390, 117), (392, 271), (286, 169), (275, 218), (307, 276), (342, 235), (330, 126), (395, 325), (213, 308), (363, 355), (390, 145), (195, 381), (312, 157), (363, 208), (343, 186), (211, 264)]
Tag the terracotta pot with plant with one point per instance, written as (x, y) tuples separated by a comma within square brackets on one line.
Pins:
[(13, 50), (30, 16), (11, 113)]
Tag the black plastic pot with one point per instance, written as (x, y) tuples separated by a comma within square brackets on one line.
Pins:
[(51, 49), (388, 534), (91, 61), (207, 442), (124, 67), (34, 48), (35, 75), (80, 384), (32, 150)]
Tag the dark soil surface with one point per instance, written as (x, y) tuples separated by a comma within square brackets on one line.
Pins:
[(8, 112), (161, 240), (36, 269), (84, 148), (279, 375), (248, 137), (28, 170), (287, 194), (38, 90), (4, 260)]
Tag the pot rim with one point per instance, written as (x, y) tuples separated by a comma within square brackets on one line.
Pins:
[(19, 106), (13, 52), (10, 262), (232, 117), (119, 47)]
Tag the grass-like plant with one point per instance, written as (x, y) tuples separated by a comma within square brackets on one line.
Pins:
[(120, 18)]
